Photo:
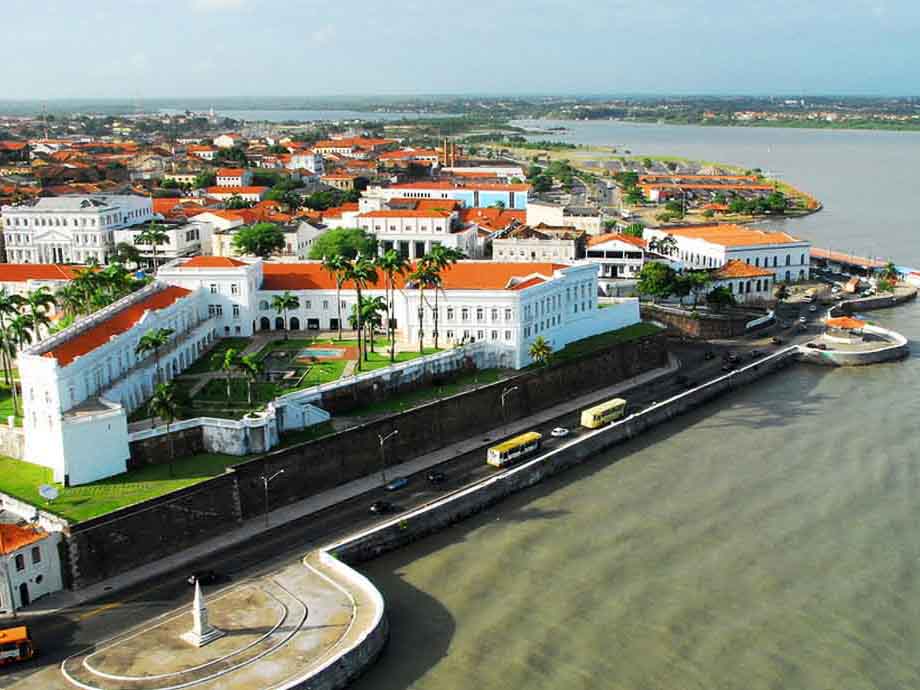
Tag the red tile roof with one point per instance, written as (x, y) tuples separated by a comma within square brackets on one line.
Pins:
[(463, 185), (731, 235), (230, 172), (237, 190), (740, 269), (118, 323), (15, 537), (20, 273), (212, 262), (465, 275), (408, 213), (620, 237), (492, 218), (846, 323)]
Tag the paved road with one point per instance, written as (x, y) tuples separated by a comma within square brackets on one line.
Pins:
[(62, 634)]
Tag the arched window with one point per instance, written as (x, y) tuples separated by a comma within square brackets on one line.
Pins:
[(263, 305), (295, 323)]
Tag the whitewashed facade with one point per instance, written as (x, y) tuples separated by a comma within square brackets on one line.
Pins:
[(70, 229), (33, 570)]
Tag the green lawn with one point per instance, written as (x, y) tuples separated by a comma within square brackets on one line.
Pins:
[(381, 358), (580, 348), (6, 406), (78, 503), (203, 364), (406, 401)]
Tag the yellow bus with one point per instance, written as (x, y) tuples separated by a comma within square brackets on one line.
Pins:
[(508, 451), (15, 645), (599, 415)]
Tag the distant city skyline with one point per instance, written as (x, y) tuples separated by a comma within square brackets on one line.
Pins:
[(136, 49)]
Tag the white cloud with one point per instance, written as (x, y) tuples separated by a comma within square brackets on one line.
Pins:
[(208, 5)]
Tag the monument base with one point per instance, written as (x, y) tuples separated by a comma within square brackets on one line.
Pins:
[(200, 640)]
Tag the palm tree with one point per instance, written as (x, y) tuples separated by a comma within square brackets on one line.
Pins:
[(155, 235), (126, 253), (281, 304), (252, 367), (361, 271), (424, 276), (70, 298), (86, 282), (114, 281), (393, 264), (541, 350), (667, 246), (440, 258), (17, 335), (335, 266), (370, 318), (890, 272), (225, 361), (39, 302), (165, 405), (9, 307), (152, 341)]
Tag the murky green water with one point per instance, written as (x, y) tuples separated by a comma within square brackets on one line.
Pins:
[(770, 540)]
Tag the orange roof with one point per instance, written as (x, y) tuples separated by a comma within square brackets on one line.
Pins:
[(12, 145), (408, 213), (337, 211), (410, 153), (740, 269), (230, 172), (118, 323), (715, 185), (20, 273), (620, 237), (530, 282), (491, 186), (652, 178), (492, 218), (730, 235), (15, 537), (846, 323), (237, 190), (213, 262), (464, 275)]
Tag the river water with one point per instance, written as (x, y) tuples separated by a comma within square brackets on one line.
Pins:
[(769, 540)]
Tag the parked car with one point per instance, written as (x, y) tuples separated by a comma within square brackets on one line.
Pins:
[(559, 432), (732, 357), (204, 577), (776, 341), (821, 346), (382, 507), (813, 346), (396, 483), (436, 477), (812, 308), (803, 320), (755, 354)]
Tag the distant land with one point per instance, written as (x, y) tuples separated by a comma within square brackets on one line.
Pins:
[(835, 112)]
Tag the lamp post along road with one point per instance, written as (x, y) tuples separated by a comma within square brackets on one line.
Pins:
[(265, 483), (383, 458), (505, 393)]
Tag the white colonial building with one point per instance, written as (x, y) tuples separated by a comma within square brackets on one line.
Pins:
[(713, 246), (233, 177), (70, 229), (581, 217), (32, 565), (414, 231), (307, 160), (79, 385), (182, 239), (747, 283)]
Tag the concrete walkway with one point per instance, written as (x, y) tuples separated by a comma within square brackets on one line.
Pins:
[(250, 529)]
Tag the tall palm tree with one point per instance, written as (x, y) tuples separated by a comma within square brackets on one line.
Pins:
[(540, 350), (165, 405), (153, 234), (17, 335), (252, 367), (152, 341), (361, 271), (70, 298), (423, 276), (39, 302), (10, 305), (393, 264), (126, 253), (336, 267), (226, 362), (371, 311), (114, 281), (281, 304), (440, 258)]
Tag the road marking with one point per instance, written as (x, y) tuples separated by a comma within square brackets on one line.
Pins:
[(101, 609)]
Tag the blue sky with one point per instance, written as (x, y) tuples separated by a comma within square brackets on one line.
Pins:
[(207, 48)]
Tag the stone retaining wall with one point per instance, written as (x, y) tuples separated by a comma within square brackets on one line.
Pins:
[(704, 325), (12, 442), (896, 348)]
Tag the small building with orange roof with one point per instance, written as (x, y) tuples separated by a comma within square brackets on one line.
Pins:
[(32, 562), (747, 283), (844, 329)]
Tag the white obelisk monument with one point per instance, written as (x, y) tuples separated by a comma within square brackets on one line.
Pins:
[(202, 632)]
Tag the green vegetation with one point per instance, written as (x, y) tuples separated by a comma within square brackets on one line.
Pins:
[(406, 401), (203, 364), (6, 406), (78, 503), (343, 242), (260, 239), (586, 346)]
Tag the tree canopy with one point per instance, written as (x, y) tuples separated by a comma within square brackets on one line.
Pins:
[(260, 239), (347, 242)]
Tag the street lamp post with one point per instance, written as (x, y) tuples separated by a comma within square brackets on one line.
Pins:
[(505, 393), (265, 483), (383, 457)]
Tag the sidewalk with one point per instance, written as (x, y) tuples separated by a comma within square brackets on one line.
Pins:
[(294, 511)]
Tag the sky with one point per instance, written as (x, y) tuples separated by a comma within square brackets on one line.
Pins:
[(301, 48)]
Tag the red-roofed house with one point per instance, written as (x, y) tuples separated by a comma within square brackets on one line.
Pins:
[(32, 565), (251, 193), (233, 177)]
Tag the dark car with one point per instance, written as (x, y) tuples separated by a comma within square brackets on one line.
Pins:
[(776, 341), (396, 483), (813, 346), (204, 577), (821, 346), (755, 354), (709, 355), (732, 357), (383, 507), (436, 477)]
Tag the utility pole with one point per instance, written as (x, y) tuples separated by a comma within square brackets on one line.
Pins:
[(383, 457), (265, 482)]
